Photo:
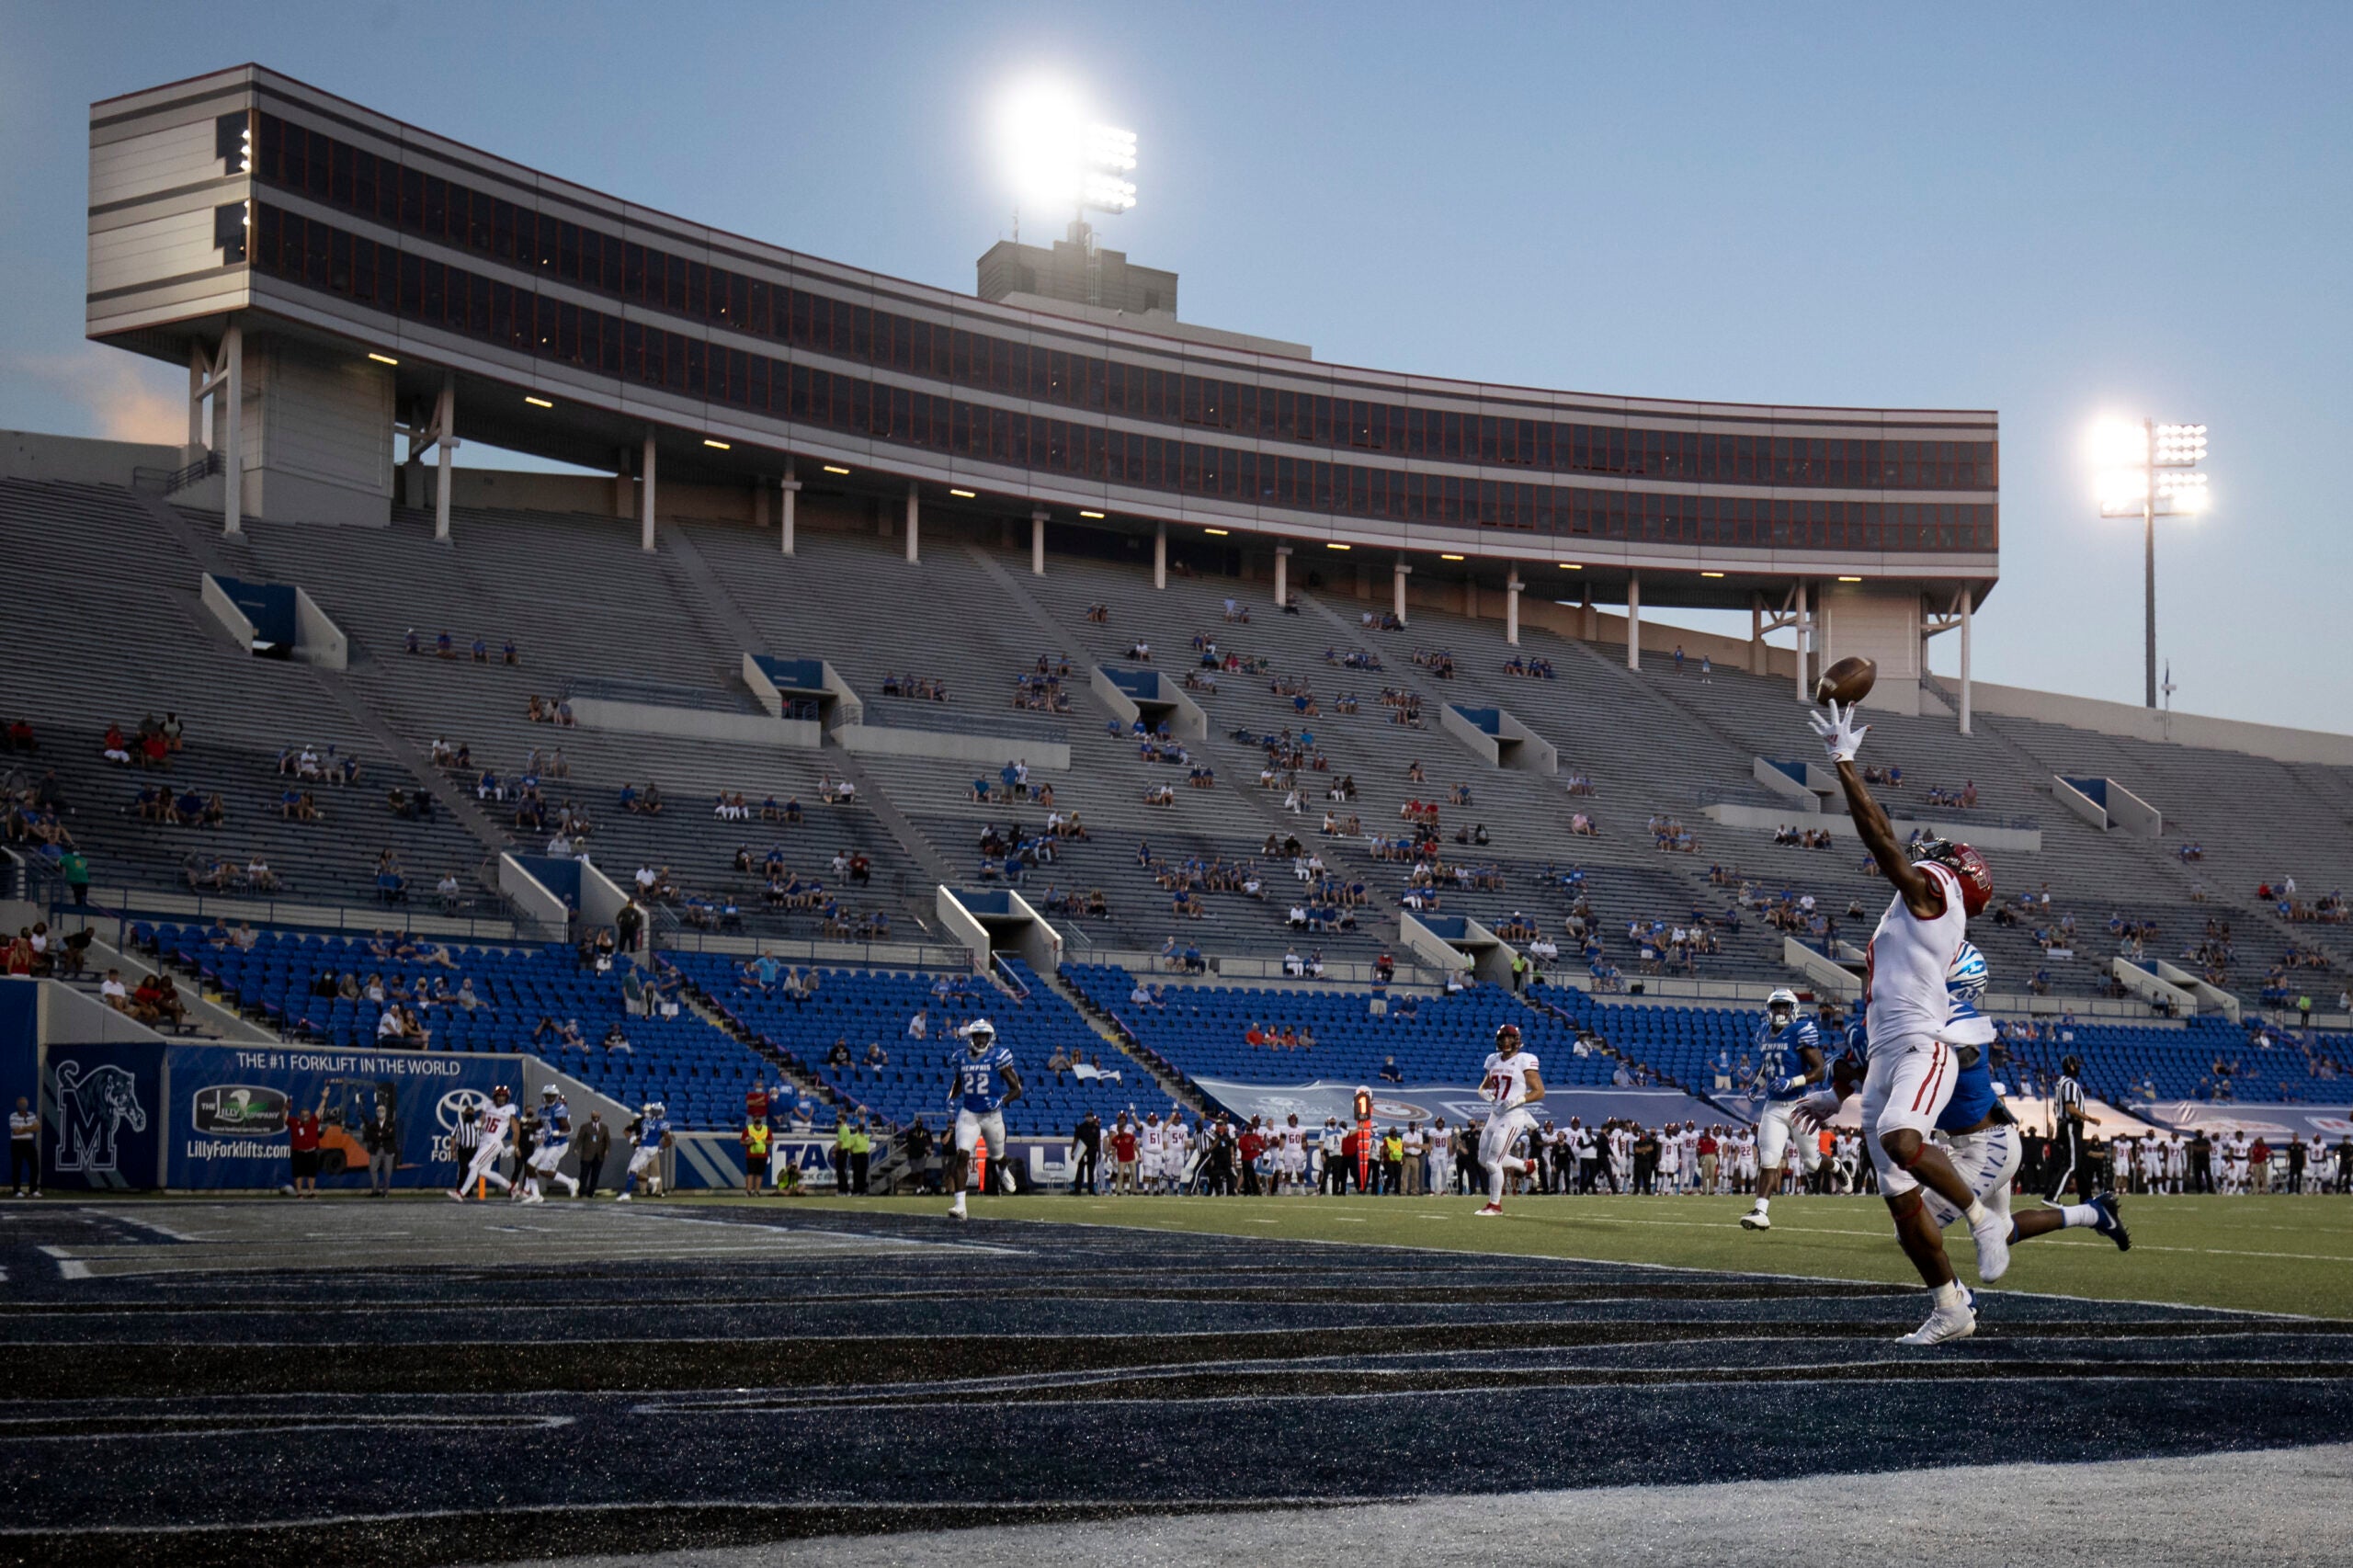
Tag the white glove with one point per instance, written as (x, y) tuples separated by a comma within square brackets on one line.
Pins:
[(1841, 736)]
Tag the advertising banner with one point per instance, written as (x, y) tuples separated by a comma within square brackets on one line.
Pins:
[(230, 1106), (102, 1116), (2271, 1122), (1398, 1104)]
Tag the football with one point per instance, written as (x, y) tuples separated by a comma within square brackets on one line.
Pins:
[(1846, 682)]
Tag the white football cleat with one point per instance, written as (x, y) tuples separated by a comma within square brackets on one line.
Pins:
[(1944, 1323), (620, 1198), (1489, 1211), (1756, 1220), (457, 1197), (1993, 1239)]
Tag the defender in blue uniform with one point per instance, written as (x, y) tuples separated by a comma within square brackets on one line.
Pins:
[(1790, 1066), (554, 1141), (651, 1133), (984, 1083)]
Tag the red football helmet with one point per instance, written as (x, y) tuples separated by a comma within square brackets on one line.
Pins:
[(1968, 868)]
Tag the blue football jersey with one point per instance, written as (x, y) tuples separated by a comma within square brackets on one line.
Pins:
[(651, 1130), (555, 1124), (1972, 1097), (980, 1086), (1778, 1055)]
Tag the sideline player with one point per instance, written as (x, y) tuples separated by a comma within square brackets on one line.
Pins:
[(1511, 1084), (1790, 1066), (1980, 1135), (1290, 1168), (1916, 1043), (985, 1083), (651, 1132), (555, 1138), (497, 1121)]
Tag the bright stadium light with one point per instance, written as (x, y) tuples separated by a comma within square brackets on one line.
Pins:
[(2149, 471), (1061, 161)]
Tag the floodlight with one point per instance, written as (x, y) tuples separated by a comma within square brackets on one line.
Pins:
[(1058, 159), (2148, 470)]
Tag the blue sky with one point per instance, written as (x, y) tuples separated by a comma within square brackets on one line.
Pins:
[(2056, 212)]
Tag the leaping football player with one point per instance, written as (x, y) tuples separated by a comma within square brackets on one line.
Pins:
[(985, 1083), (1789, 1066), (1915, 1047), (497, 1121), (1980, 1135), (1511, 1084)]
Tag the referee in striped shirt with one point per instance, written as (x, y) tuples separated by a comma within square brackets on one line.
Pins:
[(2069, 1160)]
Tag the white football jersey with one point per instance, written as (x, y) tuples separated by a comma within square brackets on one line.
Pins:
[(1903, 977), (1295, 1139), (1155, 1137), (496, 1122), (1506, 1079)]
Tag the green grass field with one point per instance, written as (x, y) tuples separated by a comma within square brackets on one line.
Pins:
[(2275, 1254)]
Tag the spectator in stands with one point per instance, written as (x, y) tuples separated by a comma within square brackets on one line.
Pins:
[(1389, 1072), (161, 1000), (20, 737), (443, 648)]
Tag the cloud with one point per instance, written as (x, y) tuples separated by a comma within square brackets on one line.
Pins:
[(126, 396)]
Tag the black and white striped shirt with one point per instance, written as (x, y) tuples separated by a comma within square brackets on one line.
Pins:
[(2070, 1098)]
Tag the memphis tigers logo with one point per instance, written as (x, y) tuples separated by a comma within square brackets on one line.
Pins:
[(92, 1108)]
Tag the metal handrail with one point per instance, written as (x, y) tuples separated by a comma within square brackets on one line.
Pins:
[(165, 480), (127, 903)]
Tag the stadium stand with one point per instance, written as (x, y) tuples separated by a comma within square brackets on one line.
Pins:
[(866, 1013), (1639, 750), (1201, 1030), (526, 1000)]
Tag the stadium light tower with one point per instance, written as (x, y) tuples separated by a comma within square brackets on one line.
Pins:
[(1062, 160), (2150, 471)]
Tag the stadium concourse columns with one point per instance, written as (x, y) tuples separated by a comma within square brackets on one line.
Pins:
[(645, 498), (1397, 591), (1160, 554), (790, 488), (1511, 607), (1283, 575), (915, 509), (445, 416), (231, 408), (1967, 604), (220, 378), (1805, 631), (1038, 542), (1633, 620)]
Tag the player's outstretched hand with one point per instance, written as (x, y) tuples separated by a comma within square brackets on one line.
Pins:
[(1841, 736)]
